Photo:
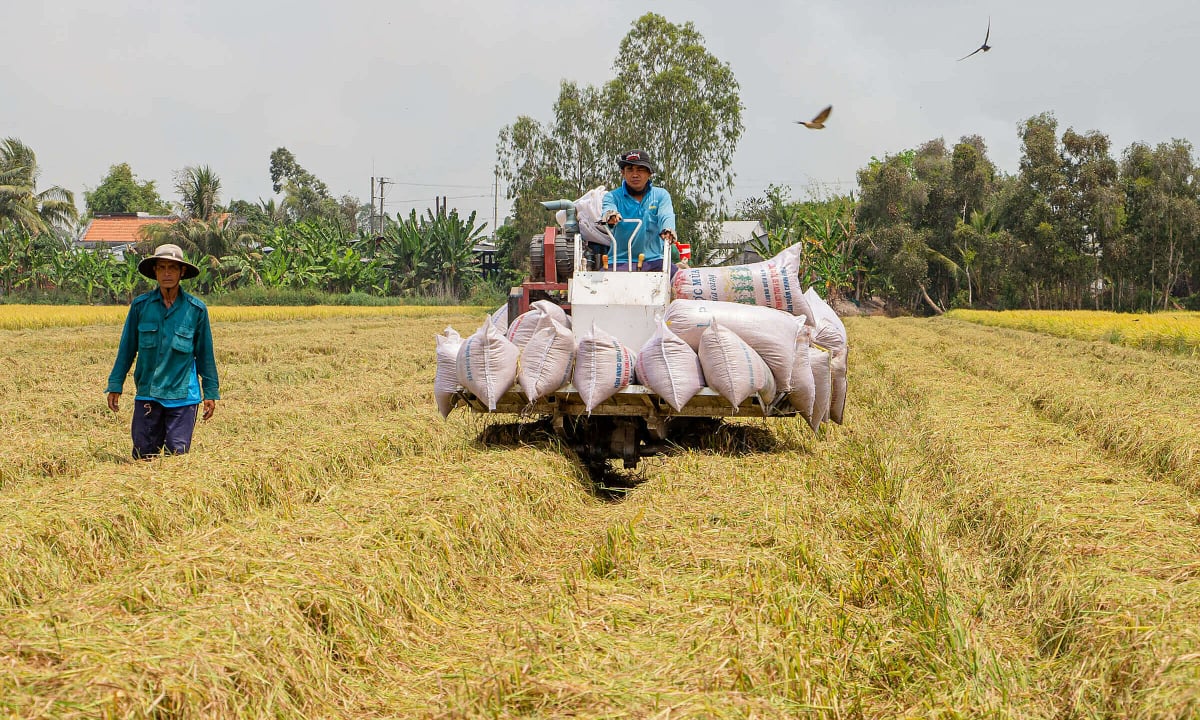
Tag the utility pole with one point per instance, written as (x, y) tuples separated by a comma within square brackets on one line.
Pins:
[(495, 199), (382, 213), (374, 228)]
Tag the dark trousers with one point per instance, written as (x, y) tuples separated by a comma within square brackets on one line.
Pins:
[(157, 429)]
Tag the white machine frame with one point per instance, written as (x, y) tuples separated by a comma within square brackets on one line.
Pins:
[(627, 305)]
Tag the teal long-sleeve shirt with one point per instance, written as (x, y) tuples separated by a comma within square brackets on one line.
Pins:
[(172, 345)]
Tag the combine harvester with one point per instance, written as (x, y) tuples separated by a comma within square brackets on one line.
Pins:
[(636, 308)]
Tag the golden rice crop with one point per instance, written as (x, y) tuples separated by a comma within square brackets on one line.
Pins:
[(1087, 542), (1173, 331), (977, 541), (19, 317)]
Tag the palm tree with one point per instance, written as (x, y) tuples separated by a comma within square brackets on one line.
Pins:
[(203, 230), (199, 191), (272, 212), (218, 237), (21, 205)]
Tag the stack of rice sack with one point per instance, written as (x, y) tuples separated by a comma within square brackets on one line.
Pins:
[(490, 366), (816, 386), (537, 350), (598, 366), (829, 347), (742, 350), (746, 331)]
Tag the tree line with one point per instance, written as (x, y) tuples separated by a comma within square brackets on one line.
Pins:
[(307, 241), (1073, 228), (929, 228), (937, 227)]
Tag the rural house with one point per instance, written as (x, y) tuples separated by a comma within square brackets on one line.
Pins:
[(119, 231), (485, 255), (735, 244)]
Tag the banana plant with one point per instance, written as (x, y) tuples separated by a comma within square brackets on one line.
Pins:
[(402, 252), (453, 240), (242, 269), (126, 280), (275, 268)]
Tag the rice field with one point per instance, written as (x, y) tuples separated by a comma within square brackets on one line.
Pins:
[(1177, 332), (1007, 526), (33, 317)]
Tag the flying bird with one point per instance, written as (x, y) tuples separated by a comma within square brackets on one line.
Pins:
[(984, 47), (818, 122)]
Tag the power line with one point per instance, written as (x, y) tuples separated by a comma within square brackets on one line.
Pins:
[(444, 185), (417, 200)]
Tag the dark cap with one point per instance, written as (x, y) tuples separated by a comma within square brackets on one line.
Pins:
[(636, 157)]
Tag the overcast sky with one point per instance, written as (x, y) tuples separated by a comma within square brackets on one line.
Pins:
[(418, 90)]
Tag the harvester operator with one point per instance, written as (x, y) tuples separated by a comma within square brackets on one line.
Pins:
[(638, 199)]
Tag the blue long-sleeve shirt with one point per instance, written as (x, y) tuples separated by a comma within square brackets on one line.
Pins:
[(654, 210), (172, 346)]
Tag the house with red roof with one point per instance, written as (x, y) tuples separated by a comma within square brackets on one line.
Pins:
[(119, 231)]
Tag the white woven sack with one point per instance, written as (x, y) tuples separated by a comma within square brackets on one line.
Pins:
[(526, 325), (487, 364), (670, 367), (536, 318), (771, 283), (545, 364), (732, 368), (602, 367), (445, 379), (804, 389), (830, 331), (837, 395), (772, 333), (819, 359), (552, 311), (588, 210), (499, 318)]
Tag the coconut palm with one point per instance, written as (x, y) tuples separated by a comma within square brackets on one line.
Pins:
[(21, 205), (199, 192), (218, 236)]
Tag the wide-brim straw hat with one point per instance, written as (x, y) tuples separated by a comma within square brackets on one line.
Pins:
[(167, 252)]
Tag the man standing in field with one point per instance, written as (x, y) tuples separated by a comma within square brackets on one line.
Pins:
[(168, 331)]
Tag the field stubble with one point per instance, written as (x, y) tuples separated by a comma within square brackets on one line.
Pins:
[(987, 536)]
